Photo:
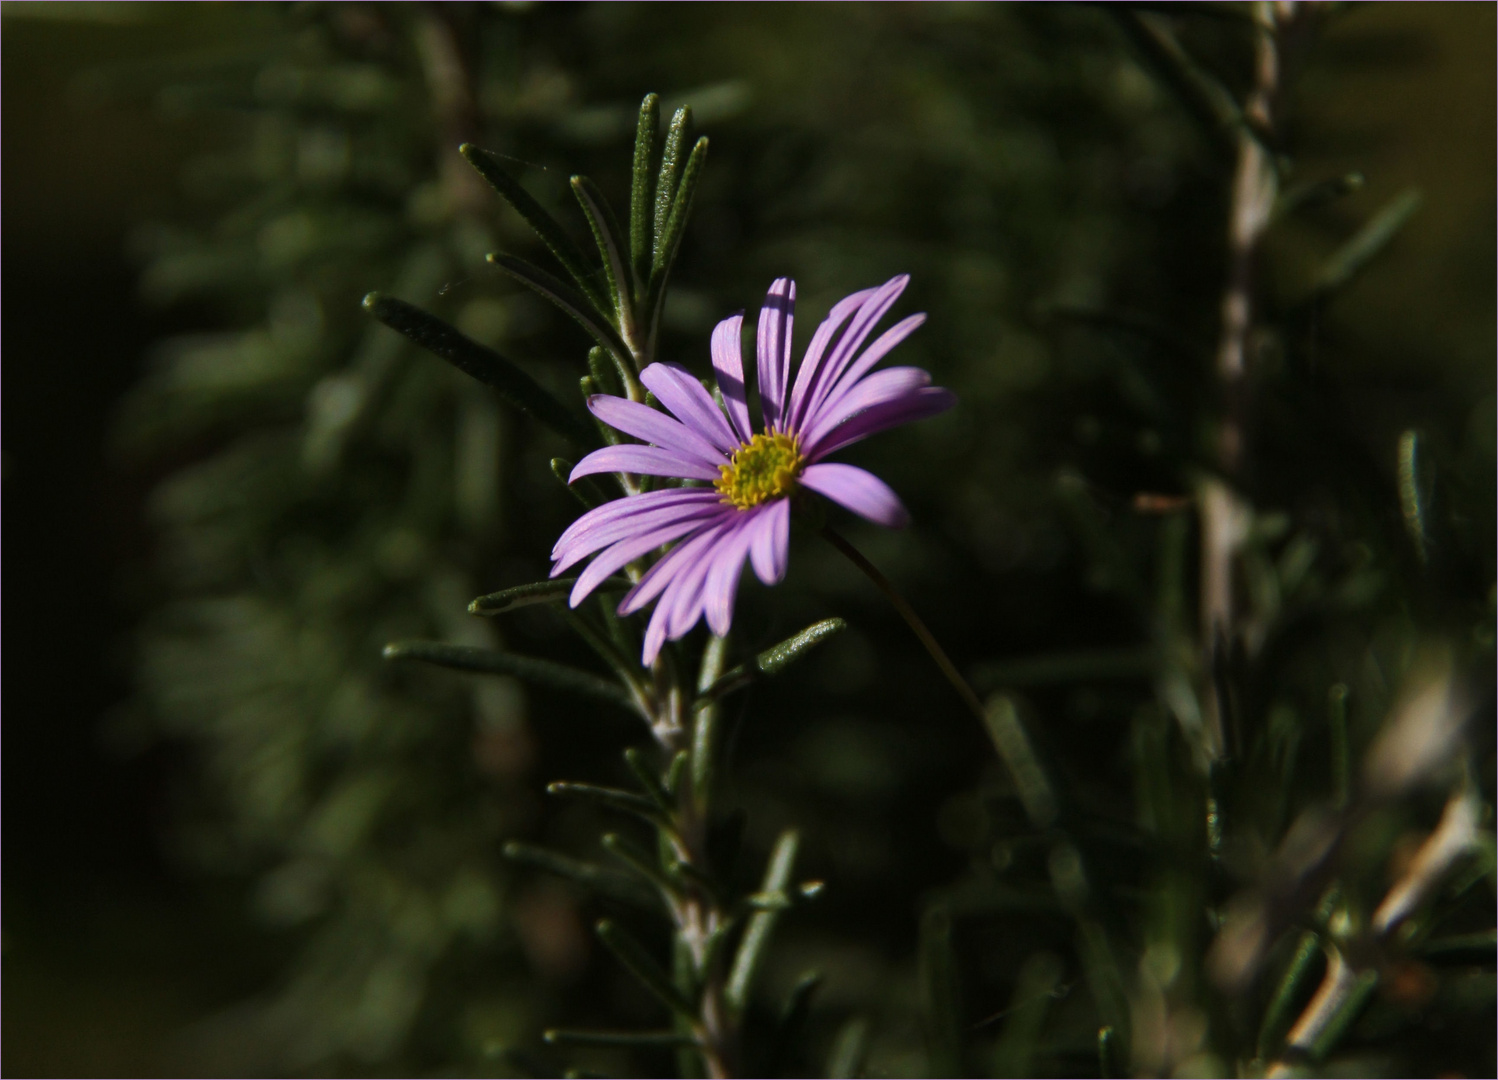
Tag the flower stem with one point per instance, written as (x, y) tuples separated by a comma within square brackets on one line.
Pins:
[(949, 669)]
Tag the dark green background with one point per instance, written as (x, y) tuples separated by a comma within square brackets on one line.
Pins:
[(109, 948)]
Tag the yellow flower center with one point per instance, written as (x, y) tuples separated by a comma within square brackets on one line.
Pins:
[(765, 467)]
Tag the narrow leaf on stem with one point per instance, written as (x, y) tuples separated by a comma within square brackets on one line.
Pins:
[(939, 1004), (676, 223), (757, 934), (605, 372), (587, 314), (792, 1025), (648, 781), (642, 966), (1203, 97), (610, 239), (705, 721), (665, 187), (638, 861), (1287, 996), (613, 798), (610, 883), (542, 592), (1366, 244), (1014, 747), (772, 661), (546, 227), (1317, 193), (848, 1049), (583, 489), (642, 189), (493, 662), (484, 364)]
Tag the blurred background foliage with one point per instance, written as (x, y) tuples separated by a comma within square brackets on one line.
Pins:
[(239, 844)]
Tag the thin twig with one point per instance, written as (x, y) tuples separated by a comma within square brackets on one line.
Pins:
[(927, 639), (1223, 512), (1346, 981)]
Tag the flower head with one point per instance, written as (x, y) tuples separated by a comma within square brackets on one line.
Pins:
[(745, 513)]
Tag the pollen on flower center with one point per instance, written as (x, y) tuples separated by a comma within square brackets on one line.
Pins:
[(765, 467)]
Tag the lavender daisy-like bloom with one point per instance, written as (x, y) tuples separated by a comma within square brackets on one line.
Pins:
[(746, 513)]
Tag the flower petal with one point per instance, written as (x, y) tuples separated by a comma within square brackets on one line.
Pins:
[(811, 363), (728, 364), (870, 312), (659, 577), (644, 461), (589, 534), (655, 636), (684, 608), (627, 551), (859, 490), (877, 351), (876, 389), (654, 426), (678, 390), (770, 546), (723, 579), (680, 574), (626, 507), (772, 343), (918, 405)]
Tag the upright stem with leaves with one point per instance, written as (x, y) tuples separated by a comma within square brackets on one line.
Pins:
[(720, 933)]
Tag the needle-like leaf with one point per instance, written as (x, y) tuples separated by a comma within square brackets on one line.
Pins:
[(610, 239), (528, 668), (610, 883), (546, 227), (482, 363), (772, 661), (642, 189), (757, 934), (792, 1025), (613, 798), (665, 186), (642, 966), (676, 222), (541, 592), (587, 314), (1365, 245)]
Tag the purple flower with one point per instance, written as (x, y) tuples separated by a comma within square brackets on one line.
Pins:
[(746, 513)]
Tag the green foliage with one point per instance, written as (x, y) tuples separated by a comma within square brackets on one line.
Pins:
[(1169, 820)]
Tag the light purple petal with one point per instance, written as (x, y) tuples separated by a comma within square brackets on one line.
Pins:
[(659, 577), (627, 551), (684, 608), (653, 426), (772, 345), (859, 490), (811, 363), (600, 533), (723, 579), (887, 385), (872, 310), (627, 507), (728, 364), (679, 391), (644, 461), (680, 574), (655, 635), (770, 546), (877, 351), (918, 405)]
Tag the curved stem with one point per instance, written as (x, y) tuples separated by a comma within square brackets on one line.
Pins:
[(927, 639)]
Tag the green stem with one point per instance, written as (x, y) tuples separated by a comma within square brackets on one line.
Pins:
[(944, 662)]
